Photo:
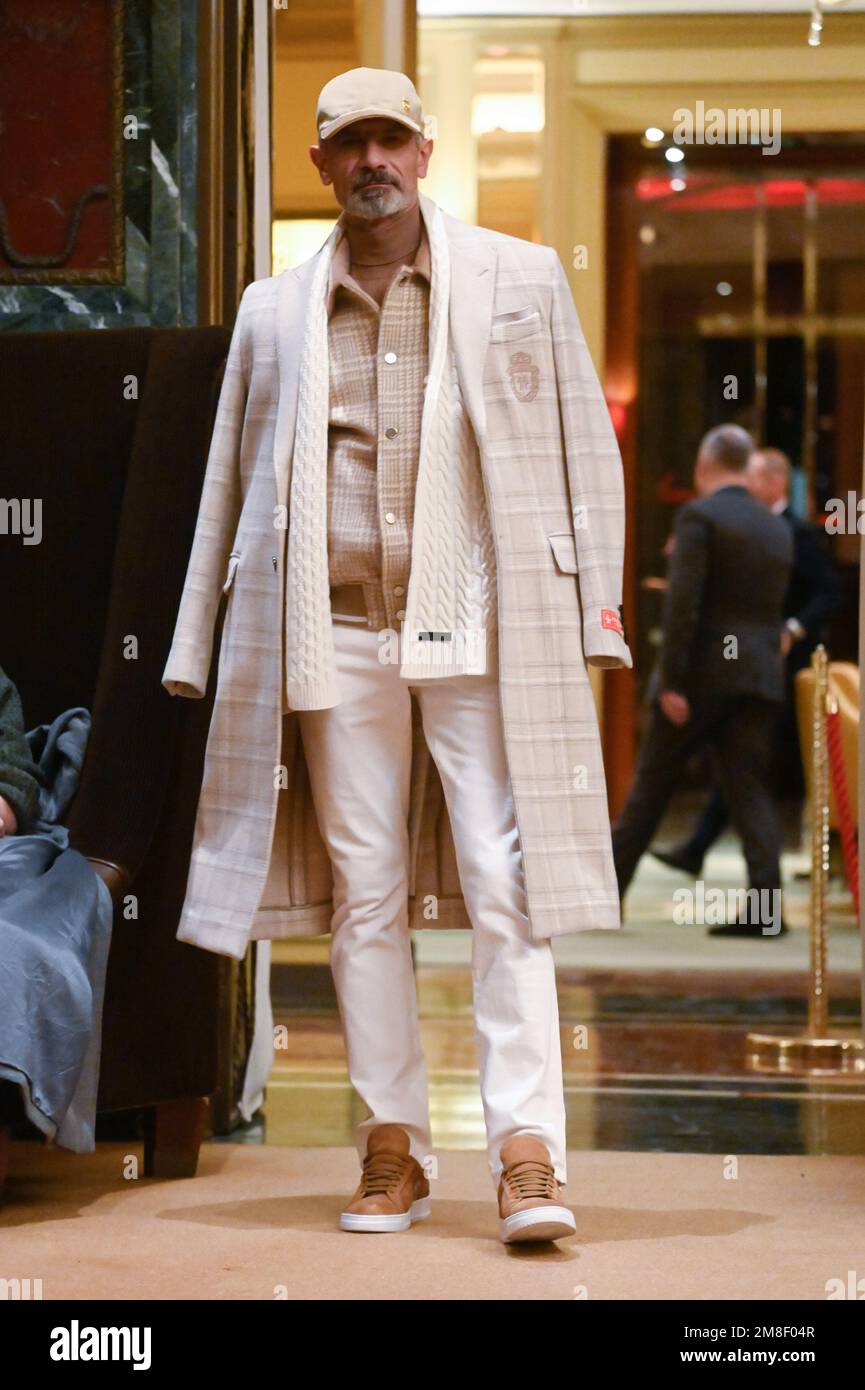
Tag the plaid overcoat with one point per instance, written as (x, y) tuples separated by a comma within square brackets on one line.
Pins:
[(553, 481)]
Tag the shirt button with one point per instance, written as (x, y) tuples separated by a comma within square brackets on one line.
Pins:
[(391, 431), (390, 357), (398, 589), (389, 516), (401, 613)]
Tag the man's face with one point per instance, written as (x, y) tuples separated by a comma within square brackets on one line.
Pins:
[(373, 165), (757, 479), (766, 484)]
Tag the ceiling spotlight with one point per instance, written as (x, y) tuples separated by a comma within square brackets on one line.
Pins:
[(815, 33), (654, 133), (678, 185), (724, 287), (674, 155)]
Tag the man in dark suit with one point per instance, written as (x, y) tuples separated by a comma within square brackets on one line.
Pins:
[(720, 677), (814, 593)]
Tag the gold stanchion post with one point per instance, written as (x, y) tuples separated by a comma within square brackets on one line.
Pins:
[(813, 1052)]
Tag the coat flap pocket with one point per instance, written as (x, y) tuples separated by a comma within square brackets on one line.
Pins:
[(505, 328), (565, 550), (233, 561)]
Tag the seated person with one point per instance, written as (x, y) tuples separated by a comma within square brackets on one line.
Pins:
[(19, 776), (55, 932)]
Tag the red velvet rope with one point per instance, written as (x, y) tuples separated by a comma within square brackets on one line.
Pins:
[(842, 802)]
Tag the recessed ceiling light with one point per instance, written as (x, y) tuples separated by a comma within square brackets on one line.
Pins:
[(674, 155)]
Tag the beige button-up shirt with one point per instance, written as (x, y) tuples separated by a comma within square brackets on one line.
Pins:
[(378, 370)]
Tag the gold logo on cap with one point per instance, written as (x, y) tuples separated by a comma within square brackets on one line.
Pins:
[(406, 104)]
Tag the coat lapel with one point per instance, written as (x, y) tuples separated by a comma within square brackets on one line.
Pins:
[(292, 298), (473, 276)]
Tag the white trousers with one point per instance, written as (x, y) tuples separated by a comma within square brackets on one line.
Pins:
[(359, 760)]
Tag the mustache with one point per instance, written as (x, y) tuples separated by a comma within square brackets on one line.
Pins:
[(376, 178)]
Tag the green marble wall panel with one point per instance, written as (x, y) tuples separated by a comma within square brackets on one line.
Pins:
[(160, 187)]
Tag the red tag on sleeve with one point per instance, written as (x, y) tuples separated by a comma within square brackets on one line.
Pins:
[(610, 619)]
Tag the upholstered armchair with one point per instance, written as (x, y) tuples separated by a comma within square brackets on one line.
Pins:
[(109, 431)]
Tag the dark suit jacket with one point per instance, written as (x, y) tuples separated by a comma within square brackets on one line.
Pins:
[(728, 579), (815, 590)]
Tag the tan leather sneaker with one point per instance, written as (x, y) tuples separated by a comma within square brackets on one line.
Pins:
[(393, 1191), (530, 1206)]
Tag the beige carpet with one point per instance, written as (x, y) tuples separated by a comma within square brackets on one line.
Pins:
[(256, 1218)]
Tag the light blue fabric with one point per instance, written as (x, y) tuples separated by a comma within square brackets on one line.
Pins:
[(55, 932)]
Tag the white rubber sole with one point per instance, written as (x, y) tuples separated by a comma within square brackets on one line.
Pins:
[(399, 1221), (537, 1223)]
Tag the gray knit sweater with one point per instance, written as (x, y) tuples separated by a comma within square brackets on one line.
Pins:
[(19, 776)]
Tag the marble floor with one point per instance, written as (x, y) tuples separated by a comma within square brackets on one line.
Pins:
[(654, 1021)]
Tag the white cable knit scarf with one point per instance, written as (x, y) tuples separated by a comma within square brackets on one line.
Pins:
[(452, 582)]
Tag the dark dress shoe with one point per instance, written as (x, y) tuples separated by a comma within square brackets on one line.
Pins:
[(680, 858), (747, 929)]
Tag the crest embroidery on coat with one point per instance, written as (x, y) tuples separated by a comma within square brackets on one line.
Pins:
[(524, 376)]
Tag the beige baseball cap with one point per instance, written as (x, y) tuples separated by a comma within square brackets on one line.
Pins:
[(365, 92)]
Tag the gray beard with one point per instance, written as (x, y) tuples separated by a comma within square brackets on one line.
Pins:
[(377, 203)]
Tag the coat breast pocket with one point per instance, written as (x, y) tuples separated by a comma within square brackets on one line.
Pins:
[(564, 547), (514, 325)]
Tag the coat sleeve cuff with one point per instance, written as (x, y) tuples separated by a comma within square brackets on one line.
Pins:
[(191, 692), (604, 641), (186, 676)]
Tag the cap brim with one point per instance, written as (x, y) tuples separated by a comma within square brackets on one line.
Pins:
[(340, 122)]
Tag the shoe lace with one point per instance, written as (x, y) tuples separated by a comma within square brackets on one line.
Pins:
[(380, 1172), (532, 1178)]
